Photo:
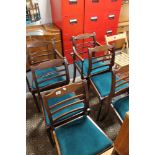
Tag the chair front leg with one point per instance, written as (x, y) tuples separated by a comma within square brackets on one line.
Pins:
[(99, 112), (106, 109), (36, 101), (50, 137), (74, 73)]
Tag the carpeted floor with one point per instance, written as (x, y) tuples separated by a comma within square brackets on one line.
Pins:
[(37, 142)]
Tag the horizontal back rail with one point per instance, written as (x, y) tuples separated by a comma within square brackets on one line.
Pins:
[(66, 106), (66, 100), (67, 113)]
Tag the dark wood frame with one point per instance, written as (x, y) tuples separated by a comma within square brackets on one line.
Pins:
[(53, 51), (71, 88), (109, 55), (115, 93), (77, 55), (39, 53), (77, 86), (50, 64)]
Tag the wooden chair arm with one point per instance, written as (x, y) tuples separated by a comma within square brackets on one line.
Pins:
[(98, 44), (75, 52), (57, 52)]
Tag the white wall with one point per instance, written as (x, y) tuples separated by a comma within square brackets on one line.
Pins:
[(45, 11)]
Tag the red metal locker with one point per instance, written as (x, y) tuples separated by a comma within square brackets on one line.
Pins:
[(110, 31), (73, 7), (56, 9), (73, 24), (112, 18), (112, 5), (85, 16), (93, 21), (95, 6)]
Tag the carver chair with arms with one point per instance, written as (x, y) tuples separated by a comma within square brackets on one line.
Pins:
[(81, 43), (72, 130), (39, 52)]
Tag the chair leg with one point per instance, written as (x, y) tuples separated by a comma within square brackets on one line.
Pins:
[(99, 112), (36, 102), (106, 111), (74, 74), (88, 83), (50, 137)]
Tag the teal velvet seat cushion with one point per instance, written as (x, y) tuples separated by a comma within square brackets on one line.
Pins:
[(122, 106), (103, 83), (81, 137), (47, 71), (86, 66), (54, 101)]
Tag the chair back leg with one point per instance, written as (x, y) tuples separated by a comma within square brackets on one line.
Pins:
[(74, 74), (36, 102), (50, 137), (106, 110), (99, 112)]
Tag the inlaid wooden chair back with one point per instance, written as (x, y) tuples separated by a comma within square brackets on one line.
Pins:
[(77, 94), (82, 42), (41, 51), (121, 36), (50, 74), (101, 59)]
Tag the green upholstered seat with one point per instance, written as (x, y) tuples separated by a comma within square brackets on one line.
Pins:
[(53, 101), (48, 82), (122, 106), (86, 66), (82, 137), (103, 83)]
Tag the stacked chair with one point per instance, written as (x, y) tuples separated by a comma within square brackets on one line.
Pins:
[(44, 62), (101, 81)]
